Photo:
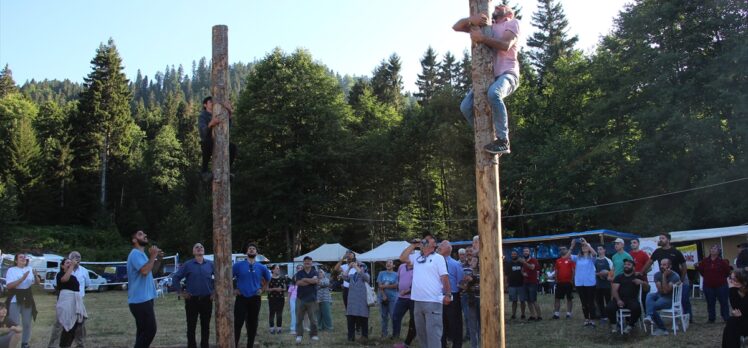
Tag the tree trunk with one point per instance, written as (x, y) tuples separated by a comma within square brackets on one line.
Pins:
[(104, 163), (222, 192), (487, 186)]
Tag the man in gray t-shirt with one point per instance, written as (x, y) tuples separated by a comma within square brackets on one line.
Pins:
[(666, 280)]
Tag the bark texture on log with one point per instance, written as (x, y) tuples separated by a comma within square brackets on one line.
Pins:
[(224, 298), (488, 199)]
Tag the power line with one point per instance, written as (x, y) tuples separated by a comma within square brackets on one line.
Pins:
[(545, 212)]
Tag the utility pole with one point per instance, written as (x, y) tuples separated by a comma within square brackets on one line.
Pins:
[(493, 333), (222, 191)]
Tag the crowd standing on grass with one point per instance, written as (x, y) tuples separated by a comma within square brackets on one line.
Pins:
[(441, 294)]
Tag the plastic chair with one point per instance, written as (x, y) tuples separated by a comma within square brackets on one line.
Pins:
[(699, 286), (675, 311), (624, 313)]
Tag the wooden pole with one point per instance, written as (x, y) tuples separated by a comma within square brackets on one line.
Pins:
[(487, 187), (222, 191)]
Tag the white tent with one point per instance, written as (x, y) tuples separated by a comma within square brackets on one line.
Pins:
[(709, 233), (325, 253), (387, 251)]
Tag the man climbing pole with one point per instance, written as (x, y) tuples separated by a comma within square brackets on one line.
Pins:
[(503, 41), (206, 122)]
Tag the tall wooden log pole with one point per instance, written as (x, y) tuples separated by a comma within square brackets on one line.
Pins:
[(222, 191), (487, 187)]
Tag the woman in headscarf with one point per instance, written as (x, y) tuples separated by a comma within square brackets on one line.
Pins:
[(357, 312), (324, 300)]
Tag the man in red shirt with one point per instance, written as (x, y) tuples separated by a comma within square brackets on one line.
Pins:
[(530, 269), (640, 256), (564, 277), (715, 271)]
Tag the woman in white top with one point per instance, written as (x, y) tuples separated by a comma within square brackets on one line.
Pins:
[(20, 300)]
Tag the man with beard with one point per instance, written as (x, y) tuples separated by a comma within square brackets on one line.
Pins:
[(678, 265), (251, 281), (198, 297), (141, 289), (665, 280), (625, 295), (564, 269), (530, 269), (514, 279)]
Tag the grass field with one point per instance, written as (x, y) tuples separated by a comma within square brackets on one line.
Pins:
[(112, 325)]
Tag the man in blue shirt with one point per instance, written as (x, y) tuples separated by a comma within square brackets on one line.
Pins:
[(306, 299), (452, 318), (251, 281), (141, 290), (198, 297)]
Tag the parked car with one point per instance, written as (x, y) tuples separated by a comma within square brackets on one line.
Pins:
[(98, 283), (116, 274)]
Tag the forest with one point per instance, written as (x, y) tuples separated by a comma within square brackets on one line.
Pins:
[(647, 133)]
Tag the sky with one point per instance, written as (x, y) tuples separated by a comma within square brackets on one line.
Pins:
[(52, 39)]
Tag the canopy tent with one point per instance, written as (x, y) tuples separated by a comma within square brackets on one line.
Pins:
[(325, 253), (390, 250), (726, 237)]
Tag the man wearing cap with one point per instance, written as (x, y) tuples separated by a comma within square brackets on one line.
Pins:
[(742, 260), (618, 258), (251, 281), (198, 295), (625, 292)]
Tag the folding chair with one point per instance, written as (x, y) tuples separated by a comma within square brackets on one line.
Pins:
[(675, 311), (624, 313)]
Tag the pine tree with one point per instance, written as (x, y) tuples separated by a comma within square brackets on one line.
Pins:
[(387, 82), (104, 123), (7, 85), (427, 79), (449, 71), (551, 41), (465, 78)]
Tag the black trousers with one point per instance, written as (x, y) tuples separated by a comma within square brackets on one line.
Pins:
[(735, 327), (587, 297), (198, 306), (67, 337), (630, 304), (602, 297), (276, 311), (207, 149), (145, 323), (452, 322), (246, 309), (356, 321)]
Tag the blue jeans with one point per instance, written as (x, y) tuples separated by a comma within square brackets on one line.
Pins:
[(292, 306), (386, 311), (685, 298), (324, 317), (402, 305), (473, 323), (655, 302), (463, 302), (502, 87), (714, 294)]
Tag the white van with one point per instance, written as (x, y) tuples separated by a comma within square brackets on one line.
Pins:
[(98, 283)]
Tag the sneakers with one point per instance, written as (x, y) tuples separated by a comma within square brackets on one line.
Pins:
[(298, 339), (272, 330), (627, 329), (498, 146), (659, 332), (568, 315), (555, 316), (315, 338)]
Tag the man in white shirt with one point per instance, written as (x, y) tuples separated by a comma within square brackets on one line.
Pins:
[(430, 290), (80, 273)]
